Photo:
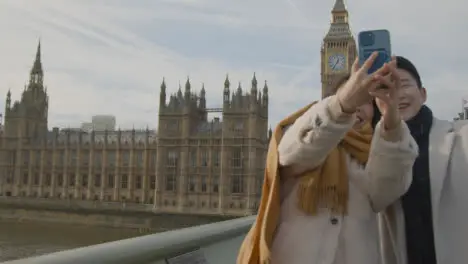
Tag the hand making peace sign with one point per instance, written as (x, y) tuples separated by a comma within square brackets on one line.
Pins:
[(362, 87), (355, 92), (387, 95)]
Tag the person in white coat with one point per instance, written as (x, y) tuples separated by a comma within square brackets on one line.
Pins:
[(429, 224), (351, 238)]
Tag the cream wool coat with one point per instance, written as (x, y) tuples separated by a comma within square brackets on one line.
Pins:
[(448, 159), (333, 239)]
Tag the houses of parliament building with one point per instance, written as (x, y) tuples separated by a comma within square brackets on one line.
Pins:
[(191, 165)]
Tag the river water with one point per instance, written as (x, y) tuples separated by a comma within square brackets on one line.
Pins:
[(20, 240)]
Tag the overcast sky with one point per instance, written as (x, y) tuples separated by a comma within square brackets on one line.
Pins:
[(109, 56)]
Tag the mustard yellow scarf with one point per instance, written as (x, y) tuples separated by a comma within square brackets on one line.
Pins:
[(326, 186)]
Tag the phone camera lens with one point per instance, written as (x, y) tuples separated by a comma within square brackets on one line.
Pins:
[(371, 38), (367, 39)]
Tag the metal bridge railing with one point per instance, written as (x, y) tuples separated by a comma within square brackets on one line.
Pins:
[(216, 243)]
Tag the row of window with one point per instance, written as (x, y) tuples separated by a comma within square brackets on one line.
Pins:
[(198, 157), (195, 184), (206, 158), (95, 197), (111, 157), (72, 180)]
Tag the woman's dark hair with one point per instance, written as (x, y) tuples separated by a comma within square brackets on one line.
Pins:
[(377, 114)]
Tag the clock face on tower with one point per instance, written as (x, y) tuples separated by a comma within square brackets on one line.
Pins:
[(336, 62)]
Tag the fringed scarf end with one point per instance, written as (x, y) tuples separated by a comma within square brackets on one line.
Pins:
[(311, 198)]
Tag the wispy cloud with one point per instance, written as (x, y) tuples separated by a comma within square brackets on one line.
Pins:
[(109, 56)]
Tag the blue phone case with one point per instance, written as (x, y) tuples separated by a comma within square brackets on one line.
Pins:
[(375, 40)]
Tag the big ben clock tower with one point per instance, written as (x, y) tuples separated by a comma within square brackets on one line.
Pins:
[(338, 49)]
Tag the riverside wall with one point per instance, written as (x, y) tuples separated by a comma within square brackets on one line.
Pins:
[(109, 214)]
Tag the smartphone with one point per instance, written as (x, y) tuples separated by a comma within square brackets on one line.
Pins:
[(371, 41)]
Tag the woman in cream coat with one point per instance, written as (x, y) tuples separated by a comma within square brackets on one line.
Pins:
[(326, 238)]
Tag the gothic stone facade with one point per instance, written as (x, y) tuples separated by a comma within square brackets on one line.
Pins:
[(191, 165), (216, 164)]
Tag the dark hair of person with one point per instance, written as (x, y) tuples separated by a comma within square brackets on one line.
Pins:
[(377, 115), (405, 64)]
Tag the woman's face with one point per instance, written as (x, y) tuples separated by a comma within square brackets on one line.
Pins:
[(364, 114)]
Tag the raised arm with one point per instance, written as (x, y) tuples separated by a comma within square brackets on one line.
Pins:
[(389, 170), (307, 142)]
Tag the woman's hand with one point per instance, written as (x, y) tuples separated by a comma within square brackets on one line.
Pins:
[(387, 95), (355, 92)]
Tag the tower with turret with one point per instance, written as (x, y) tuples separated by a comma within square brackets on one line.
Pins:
[(228, 153), (338, 50), (27, 117)]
